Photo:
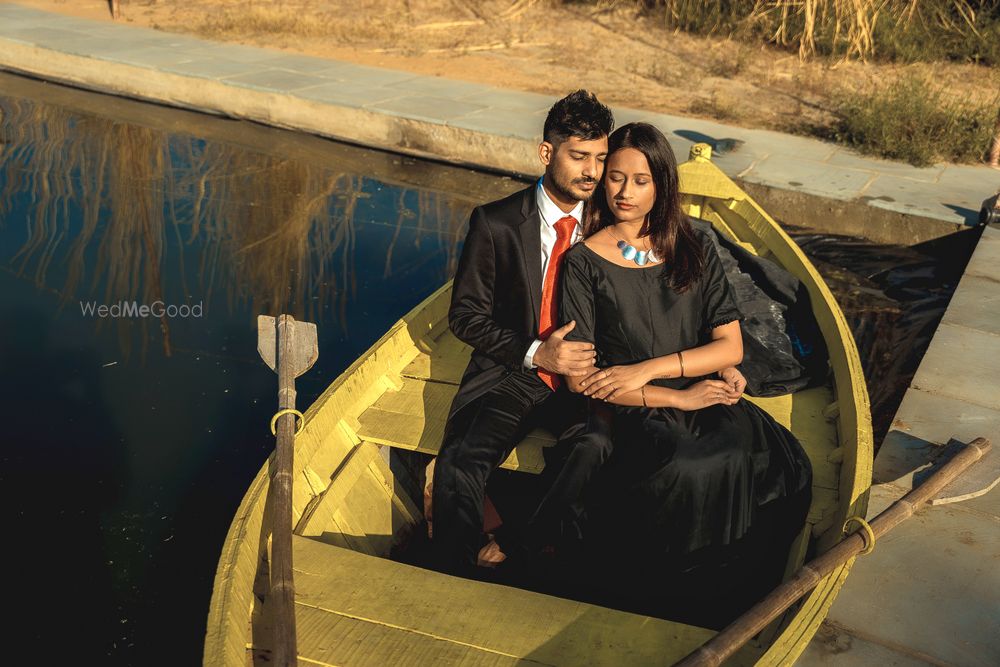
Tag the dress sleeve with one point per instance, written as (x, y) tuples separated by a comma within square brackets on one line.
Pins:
[(718, 301), (576, 301)]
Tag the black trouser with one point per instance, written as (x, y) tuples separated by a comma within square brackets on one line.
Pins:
[(480, 436)]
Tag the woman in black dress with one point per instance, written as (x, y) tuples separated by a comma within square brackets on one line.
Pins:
[(697, 508)]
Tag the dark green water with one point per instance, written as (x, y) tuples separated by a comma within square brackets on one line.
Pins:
[(129, 442)]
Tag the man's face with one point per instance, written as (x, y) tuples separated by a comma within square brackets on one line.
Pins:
[(574, 167)]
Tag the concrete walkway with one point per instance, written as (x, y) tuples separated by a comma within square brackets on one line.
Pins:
[(476, 124), (930, 592)]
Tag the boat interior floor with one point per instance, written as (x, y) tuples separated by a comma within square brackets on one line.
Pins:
[(363, 610)]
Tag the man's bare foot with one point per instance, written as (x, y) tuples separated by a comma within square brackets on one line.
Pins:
[(490, 555)]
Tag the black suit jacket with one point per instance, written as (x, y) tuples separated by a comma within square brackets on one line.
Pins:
[(497, 292)]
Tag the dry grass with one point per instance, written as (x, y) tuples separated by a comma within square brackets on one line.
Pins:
[(253, 20), (716, 106), (902, 30), (915, 120)]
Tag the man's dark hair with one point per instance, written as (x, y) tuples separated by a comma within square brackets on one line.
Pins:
[(579, 115)]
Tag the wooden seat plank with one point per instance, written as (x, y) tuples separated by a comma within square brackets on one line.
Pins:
[(443, 617), (414, 418), (445, 363)]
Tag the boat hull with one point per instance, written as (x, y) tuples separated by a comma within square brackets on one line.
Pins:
[(354, 500)]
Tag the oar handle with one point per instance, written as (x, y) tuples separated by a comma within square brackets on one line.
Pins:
[(740, 631), (282, 594)]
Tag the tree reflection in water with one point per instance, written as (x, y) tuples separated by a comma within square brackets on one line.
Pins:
[(109, 198)]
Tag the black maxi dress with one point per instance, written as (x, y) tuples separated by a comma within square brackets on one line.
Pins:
[(693, 515)]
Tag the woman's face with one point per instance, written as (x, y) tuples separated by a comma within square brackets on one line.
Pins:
[(628, 184)]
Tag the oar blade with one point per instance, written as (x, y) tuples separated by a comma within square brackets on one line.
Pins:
[(306, 349), (977, 480), (267, 340), (305, 343)]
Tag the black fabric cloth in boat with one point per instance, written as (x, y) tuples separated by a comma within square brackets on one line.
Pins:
[(708, 499), (783, 348)]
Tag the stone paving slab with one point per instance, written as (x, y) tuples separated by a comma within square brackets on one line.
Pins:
[(237, 53), (302, 64), (509, 100), (270, 80), (438, 87), (211, 68), (736, 164), (375, 76), (39, 35), (152, 56), (426, 107), (975, 304), (947, 193), (810, 176), (835, 647), (985, 261), (486, 120), (939, 420), (352, 94), (930, 586), (962, 363), (843, 158)]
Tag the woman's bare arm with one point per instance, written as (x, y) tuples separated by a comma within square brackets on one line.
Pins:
[(724, 350)]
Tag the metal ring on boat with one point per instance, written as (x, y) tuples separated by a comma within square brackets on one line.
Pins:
[(868, 535), (300, 422)]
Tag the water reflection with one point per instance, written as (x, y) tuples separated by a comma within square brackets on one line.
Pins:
[(130, 441), (119, 212)]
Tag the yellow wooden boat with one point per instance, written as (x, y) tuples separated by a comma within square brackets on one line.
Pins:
[(355, 606)]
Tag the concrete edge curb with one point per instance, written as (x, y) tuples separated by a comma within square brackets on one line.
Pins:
[(419, 138)]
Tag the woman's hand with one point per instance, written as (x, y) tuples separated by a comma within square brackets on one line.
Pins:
[(705, 393), (608, 383), (734, 379)]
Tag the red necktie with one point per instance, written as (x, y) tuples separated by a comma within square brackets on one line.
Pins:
[(550, 311)]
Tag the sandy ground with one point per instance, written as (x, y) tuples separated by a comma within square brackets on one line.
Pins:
[(544, 47)]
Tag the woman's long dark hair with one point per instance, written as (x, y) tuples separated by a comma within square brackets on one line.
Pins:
[(670, 234)]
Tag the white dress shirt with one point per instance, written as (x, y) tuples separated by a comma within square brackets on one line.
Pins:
[(550, 214)]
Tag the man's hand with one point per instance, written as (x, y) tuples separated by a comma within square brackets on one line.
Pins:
[(609, 383), (564, 357), (734, 379)]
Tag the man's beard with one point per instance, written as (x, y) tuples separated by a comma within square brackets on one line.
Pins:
[(565, 189)]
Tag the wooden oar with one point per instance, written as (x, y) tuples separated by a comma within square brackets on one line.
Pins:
[(294, 346), (941, 487)]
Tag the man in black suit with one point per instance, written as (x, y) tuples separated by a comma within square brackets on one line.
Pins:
[(504, 306)]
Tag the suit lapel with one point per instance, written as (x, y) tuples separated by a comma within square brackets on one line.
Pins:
[(531, 252)]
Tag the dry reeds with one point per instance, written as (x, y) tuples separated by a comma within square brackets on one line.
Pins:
[(904, 30)]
